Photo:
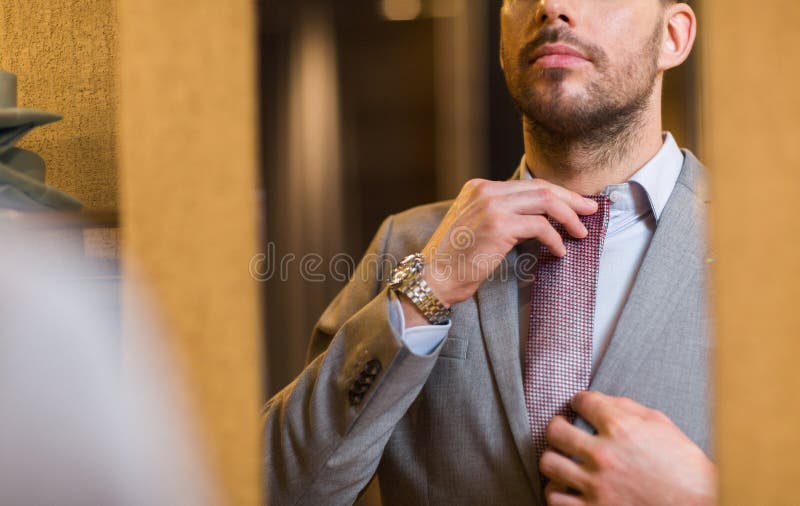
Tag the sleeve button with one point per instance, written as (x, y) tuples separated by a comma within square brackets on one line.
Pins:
[(356, 398), (373, 367), (360, 388)]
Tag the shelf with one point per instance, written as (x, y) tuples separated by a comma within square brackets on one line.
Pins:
[(61, 220)]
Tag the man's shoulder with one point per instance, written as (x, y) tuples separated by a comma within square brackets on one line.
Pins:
[(426, 215), (410, 229), (694, 175)]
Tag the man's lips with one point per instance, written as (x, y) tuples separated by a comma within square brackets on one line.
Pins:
[(557, 55)]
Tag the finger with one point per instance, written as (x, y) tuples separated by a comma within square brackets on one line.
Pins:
[(578, 202), (559, 498), (537, 227), (555, 486), (597, 408), (563, 470), (556, 493), (542, 202), (569, 439)]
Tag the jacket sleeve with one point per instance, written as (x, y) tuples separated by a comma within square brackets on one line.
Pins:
[(325, 433)]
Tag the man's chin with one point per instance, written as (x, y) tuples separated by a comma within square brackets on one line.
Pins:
[(561, 108), (560, 116), (557, 126), (562, 83)]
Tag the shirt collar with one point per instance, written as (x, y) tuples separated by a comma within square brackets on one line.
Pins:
[(657, 177)]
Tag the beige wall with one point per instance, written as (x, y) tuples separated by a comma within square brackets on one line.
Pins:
[(64, 53), (750, 140), (188, 167)]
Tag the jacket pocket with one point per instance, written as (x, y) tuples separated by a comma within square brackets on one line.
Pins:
[(454, 347)]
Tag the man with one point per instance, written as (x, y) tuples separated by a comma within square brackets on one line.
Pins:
[(455, 383)]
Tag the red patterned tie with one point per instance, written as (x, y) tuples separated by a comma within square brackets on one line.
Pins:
[(558, 356)]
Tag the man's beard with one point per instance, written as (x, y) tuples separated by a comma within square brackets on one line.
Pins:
[(604, 122)]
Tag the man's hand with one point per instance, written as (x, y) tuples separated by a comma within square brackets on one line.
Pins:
[(487, 219), (639, 457)]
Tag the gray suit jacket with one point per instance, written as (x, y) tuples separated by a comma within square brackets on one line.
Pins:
[(451, 428)]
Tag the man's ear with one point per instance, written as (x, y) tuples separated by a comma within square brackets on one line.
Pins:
[(679, 35)]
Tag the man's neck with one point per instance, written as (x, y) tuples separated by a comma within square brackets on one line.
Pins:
[(587, 166)]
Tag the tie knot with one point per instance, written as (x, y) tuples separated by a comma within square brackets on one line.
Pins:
[(598, 198), (597, 223)]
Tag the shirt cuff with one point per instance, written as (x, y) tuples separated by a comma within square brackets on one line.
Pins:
[(421, 340)]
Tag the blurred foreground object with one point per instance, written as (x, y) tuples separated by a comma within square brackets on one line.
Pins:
[(76, 427), (22, 173)]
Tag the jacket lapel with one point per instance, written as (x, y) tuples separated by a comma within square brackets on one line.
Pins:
[(499, 319), (672, 265)]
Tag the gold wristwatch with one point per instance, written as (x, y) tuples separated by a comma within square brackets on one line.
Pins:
[(407, 279)]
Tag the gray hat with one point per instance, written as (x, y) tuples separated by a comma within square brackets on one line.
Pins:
[(15, 123), (22, 184), (10, 115)]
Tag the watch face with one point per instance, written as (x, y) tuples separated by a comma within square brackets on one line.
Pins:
[(398, 275), (409, 260), (406, 268)]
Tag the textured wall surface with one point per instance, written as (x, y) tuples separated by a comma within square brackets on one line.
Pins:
[(188, 179), (752, 113), (63, 52)]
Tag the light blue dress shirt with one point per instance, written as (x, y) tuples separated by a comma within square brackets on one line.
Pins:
[(636, 206)]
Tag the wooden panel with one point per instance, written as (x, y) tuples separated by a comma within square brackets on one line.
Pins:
[(188, 166), (752, 106)]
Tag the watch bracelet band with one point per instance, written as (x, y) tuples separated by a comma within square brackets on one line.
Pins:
[(420, 294)]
